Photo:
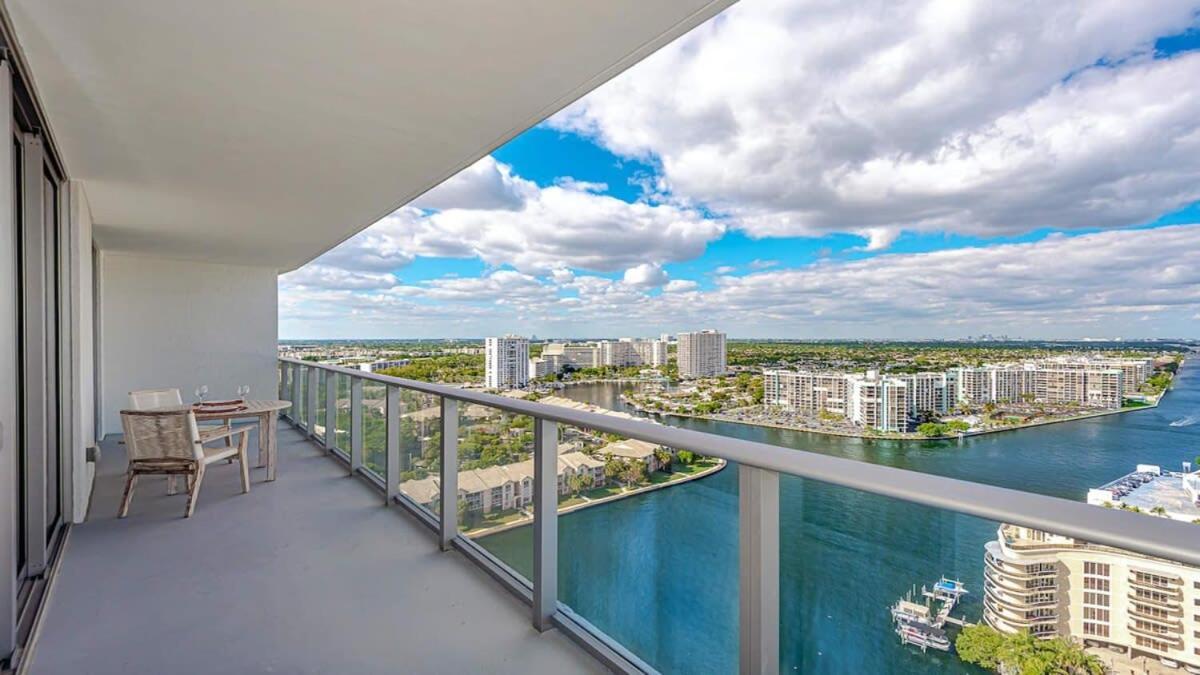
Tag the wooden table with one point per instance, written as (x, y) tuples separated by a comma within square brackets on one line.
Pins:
[(267, 413)]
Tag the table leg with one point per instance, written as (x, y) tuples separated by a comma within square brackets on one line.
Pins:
[(272, 423), (262, 440)]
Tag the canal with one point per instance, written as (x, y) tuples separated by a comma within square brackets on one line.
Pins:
[(658, 572)]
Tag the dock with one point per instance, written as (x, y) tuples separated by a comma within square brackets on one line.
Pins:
[(923, 624)]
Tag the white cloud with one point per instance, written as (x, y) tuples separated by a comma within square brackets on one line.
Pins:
[(486, 184), (489, 213), (680, 286), (804, 117), (1094, 284), (324, 276), (646, 275)]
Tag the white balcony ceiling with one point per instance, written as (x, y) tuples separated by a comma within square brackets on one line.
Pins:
[(266, 132)]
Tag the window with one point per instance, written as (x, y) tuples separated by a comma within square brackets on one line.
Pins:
[(1096, 584), (1095, 613), (1097, 629), (1090, 598), (1101, 569)]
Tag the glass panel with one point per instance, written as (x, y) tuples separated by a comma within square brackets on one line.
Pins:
[(302, 405), (319, 419), (375, 427), (668, 519), (341, 439), (420, 448), (495, 475)]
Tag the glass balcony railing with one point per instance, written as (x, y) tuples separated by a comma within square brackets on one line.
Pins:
[(665, 549)]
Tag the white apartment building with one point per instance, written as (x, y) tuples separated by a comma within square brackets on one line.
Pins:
[(807, 392), (376, 366), (1085, 382), (701, 354), (928, 393), (879, 402), (633, 352), (506, 362), (1057, 586)]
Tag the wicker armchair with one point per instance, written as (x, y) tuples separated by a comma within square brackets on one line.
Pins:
[(168, 442)]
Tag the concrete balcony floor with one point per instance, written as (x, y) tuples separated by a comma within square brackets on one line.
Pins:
[(309, 574)]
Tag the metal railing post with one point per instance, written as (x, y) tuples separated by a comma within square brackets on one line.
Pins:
[(392, 489), (545, 522), (356, 424), (295, 409), (758, 571), (310, 406), (448, 518), (331, 379)]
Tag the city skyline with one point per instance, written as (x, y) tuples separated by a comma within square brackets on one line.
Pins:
[(928, 171)]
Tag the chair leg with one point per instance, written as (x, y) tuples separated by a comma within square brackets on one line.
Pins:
[(130, 479), (244, 463), (172, 488), (195, 491)]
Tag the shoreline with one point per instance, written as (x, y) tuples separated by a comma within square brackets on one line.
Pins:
[(521, 522), (882, 436)]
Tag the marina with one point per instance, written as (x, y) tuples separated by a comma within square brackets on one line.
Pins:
[(920, 618)]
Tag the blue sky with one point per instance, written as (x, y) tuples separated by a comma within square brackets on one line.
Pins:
[(941, 172)]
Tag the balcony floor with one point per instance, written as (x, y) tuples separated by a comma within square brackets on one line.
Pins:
[(309, 574)]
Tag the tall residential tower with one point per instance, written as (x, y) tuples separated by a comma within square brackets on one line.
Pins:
[(506, 362)]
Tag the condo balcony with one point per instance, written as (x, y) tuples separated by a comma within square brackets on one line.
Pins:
[(1163, 619), (168, 162)]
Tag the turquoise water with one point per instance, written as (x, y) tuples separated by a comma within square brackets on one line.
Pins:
[(658, 572)]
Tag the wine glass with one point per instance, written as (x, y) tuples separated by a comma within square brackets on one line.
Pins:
[(243, 391), (202, 392)]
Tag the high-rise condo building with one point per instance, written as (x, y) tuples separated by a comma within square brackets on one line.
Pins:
[(1057, 586), (879, 402), (506, 362), (701, 354), (633, 352)]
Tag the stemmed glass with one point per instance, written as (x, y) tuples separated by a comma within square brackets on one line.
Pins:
[(243, 391), (202, 392)]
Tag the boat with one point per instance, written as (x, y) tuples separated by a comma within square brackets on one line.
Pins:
[(924, 637), (949, 588), (911, 613)]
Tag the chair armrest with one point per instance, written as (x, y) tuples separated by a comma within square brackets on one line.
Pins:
[(217, 433)]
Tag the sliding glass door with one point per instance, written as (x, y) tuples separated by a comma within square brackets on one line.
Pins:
[(34, 368)]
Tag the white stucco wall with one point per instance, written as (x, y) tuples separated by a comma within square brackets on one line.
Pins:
[(82, 357), (177, 323)]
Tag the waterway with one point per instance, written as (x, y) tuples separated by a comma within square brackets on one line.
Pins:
[(658, 571)]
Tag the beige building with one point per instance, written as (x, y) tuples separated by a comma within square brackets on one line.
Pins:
[(806, 392), (1057, 586), (571, 354), (633, 352), (701, 354)]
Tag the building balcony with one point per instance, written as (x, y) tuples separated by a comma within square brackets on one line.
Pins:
[(1174, 625), (306, 574)]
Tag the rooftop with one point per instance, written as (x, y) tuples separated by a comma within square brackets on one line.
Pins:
[(1149, 487)]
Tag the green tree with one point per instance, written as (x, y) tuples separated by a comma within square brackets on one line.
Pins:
[(634, 472), (980, 645), (931, 429), (663, 457), (685, 456), (580, 482)]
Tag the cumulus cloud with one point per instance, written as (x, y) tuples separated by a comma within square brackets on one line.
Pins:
[(1093, 284), (487, 212), (680, 286), (486, 184), (799, 117), (646, 275)]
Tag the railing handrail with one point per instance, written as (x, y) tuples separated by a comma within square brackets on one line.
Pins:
[(1158, 537)]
